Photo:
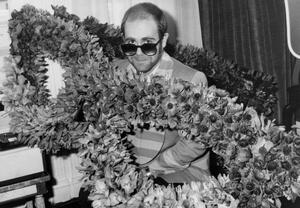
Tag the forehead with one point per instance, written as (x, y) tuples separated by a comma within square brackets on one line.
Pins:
[(139, 29)]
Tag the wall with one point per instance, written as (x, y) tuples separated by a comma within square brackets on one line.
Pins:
[(183, 15), (4, 48)]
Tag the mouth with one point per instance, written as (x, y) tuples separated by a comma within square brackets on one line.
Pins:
[(140, 60)]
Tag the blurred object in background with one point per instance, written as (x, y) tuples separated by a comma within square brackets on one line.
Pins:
[(3, 5), (292, 8)]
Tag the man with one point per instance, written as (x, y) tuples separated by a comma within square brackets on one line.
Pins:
[(170, 157)]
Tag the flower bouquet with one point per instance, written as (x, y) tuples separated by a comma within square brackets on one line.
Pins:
[(262, 159)]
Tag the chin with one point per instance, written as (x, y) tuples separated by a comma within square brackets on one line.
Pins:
[(142, 68)]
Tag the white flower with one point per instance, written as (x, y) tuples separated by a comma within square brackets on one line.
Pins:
[(295, 187), (197, 186), (223, 179), (297, 127), (136, 200), (288, 194), (125, 183), (128, 181), (155, 196), (98, 204), (184, 191), (160, 195), (255, 120), (233, 106), (195, 199), (266, 127), (149, 199), (114, 199), (233, 202), (261, 142), (243, 155), (100, 186)]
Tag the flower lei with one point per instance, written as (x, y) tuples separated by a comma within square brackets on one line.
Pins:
[(253, 88), (98, 106), (262, 159), (37, 119)]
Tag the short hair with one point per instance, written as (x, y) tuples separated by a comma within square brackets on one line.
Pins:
[(144, 11)]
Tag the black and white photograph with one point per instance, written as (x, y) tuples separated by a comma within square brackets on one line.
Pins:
[(149, 104)]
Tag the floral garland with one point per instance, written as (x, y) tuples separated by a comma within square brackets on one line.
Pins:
[(51, 123), (262, 160), (253, 88), (98, 106)]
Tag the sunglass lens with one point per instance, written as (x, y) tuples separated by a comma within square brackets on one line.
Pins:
[(149, 49), (129, 49)]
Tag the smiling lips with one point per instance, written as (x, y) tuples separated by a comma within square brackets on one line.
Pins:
[(140, 60)]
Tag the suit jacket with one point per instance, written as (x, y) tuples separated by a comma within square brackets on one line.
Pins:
[(176, 160)]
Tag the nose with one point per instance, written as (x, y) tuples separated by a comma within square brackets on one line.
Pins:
[(139, 51)]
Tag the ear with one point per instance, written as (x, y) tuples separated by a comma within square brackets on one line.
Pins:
[(165, 40)]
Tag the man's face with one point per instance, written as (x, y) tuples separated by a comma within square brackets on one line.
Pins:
[(142, 31)]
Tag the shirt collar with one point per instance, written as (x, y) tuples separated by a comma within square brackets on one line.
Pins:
[(162, 67)]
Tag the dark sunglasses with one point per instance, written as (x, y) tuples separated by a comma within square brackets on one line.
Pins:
[(148, 49)]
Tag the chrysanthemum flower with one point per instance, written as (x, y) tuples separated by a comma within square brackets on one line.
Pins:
[(131, 96), (170, 106)]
